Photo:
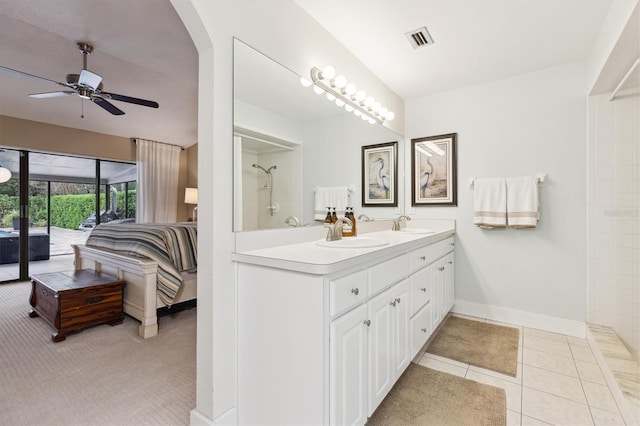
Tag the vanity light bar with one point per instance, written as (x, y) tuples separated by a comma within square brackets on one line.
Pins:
[(346, 94)]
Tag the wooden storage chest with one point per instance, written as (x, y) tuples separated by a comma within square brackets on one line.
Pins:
[(73, 300)]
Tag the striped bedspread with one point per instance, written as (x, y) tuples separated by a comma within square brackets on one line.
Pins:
[(172, 245)]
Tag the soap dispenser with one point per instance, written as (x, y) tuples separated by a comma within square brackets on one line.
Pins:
[(327, 219)]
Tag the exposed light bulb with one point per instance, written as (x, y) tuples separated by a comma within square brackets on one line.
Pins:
[(348, 108), (360, 96), (339, 82), (383, 112), (390, 115), (369, 102), (357, 113), (305, 82), (327, 73), (350, 89), (364, 117), (318, 90), (376, 107), (340, 102), (330, 96), (372, 121)]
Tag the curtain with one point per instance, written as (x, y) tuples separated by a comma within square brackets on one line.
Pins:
[(157, 191)]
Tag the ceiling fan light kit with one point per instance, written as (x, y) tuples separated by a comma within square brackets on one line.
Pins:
[(87, 85)]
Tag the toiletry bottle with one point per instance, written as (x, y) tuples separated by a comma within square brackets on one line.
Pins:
[(327, 218), (347, 229), (354, 232), (334, 216)]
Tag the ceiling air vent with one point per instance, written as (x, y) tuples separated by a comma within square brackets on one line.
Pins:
[(419, 38)]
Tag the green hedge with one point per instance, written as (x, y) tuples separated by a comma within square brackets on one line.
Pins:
[(67, 211)]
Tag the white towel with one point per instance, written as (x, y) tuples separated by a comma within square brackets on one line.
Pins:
[(333, 196), (490, 203), (522, 202)]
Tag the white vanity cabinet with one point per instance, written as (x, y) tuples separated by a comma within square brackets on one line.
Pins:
[(326, 348), (389, 353)]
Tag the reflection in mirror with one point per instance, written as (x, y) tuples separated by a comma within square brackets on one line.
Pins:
[(288, 142)]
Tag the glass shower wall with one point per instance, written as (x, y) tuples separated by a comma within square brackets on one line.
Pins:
[(613, 216)]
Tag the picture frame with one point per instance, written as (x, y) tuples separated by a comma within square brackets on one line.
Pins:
[(433, 171), (380, 175)]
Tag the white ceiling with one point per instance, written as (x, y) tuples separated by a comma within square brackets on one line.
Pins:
[(141, 50), (474, 40)]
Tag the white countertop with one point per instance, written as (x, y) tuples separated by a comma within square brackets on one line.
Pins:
[(308, 257)]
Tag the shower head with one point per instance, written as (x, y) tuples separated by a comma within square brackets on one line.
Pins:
[(258, 166)]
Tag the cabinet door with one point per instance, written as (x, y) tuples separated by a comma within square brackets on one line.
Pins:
[(380, 348), (348, 368), (401, 331), (449, 280), (438, 293)]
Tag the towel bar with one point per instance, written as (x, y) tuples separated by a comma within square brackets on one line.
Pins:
[(541, 178)]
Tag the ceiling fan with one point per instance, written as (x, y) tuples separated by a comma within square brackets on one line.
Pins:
[(87, 85)]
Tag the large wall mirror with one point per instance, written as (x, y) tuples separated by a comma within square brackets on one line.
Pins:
[(290, 141)]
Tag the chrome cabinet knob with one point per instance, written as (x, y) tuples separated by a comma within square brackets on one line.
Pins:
[(393, 303), (423, 257), (424, 330), (451, 262), (398, 300), (367, 322), (355, 291), (423, 289)]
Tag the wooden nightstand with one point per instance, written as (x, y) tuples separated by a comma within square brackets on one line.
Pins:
[(73, 300)]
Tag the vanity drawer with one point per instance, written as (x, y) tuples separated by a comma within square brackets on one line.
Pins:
[(347, 291), (389, 272), (420, 258), (420, 329), (420, 289), (441, 248)]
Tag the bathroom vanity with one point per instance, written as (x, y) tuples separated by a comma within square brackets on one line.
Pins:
[(325, 332)]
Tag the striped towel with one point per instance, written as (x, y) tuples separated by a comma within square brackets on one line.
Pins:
[(522, 202), (490, 203)]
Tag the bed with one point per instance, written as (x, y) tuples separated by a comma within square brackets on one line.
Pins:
[(158, 262)]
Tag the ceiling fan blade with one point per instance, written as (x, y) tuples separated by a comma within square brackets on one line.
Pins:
[(103, 103), (51, 94), (26, 74), (89, 79), (137, 101)]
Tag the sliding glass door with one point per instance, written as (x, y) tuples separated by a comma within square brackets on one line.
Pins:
[(50, 203)]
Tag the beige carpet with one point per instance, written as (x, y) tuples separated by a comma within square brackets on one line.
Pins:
[(423, 396), (101, 376), (484, 345)]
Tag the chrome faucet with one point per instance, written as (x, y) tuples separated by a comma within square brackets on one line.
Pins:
[(396, 223), (363, 217), (335, 230), (295, 220)]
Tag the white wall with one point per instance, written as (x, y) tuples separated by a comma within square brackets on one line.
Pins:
[(614, 215), (268, 26), (522, 125)]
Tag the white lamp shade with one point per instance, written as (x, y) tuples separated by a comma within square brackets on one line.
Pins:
[(191, 195), (5, 174)]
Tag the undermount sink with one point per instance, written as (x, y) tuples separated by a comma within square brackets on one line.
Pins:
[(353, 242), (417, 230)]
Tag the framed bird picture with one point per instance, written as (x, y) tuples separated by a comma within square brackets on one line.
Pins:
[(433, 171), (380, 175)]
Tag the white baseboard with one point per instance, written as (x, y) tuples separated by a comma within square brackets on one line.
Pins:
[(196, 418), (523, 318)]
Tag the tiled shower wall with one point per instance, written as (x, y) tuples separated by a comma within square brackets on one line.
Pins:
[(613, 215)]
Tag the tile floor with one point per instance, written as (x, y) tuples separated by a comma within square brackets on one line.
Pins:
[(558, 382)]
